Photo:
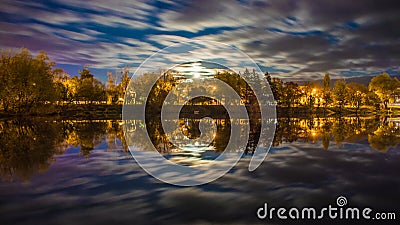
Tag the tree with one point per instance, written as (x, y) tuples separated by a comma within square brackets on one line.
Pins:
[(339, 92), (326, 90), (85, 73), (384, 87), (277, 89), (356, 95), (327, 82), (61, 80), (26, 82), (291, 94), (125, 79), (91, 90), (310, 93), (28, 145), (385, 136), (111, 88)]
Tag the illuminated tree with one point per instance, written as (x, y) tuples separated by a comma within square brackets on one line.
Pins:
[(384, 87), (326, 90), (85, 73), (339, 92), (26, 82), (125, 79), (91, 90), (386, 136), (356, 95), (290, 94), (311, 92), (111, 88), (27, 147)]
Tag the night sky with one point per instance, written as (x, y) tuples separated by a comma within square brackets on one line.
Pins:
[(292, 39)]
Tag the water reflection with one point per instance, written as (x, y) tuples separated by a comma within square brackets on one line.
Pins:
[(26, 147), (381, 133), (30, 146)]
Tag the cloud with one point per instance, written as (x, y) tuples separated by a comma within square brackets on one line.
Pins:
[(315, 37), (301, 39)]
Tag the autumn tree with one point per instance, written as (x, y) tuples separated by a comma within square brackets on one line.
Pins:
[(384, 87), (339, 92), (27, 146), (290, 94), (326, 90), (26, 81), (125, 79), (276, 86), (85, 73), (89, 88), (385, 136), (310, 92), (356, 95), (111, 87), (64, 86)]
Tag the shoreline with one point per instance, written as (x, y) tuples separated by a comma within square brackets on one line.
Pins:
[(114, 112)]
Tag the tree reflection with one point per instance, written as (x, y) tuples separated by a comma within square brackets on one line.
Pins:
[(30, 146), (27, 147), (86, 134), (387, 135), (380, 133)]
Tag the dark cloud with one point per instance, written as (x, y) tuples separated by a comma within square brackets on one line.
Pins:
[(313, 36)]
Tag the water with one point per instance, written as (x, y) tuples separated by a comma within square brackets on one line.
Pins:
[(80, 172)]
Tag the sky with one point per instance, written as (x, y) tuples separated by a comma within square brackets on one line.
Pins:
[(293, 40)]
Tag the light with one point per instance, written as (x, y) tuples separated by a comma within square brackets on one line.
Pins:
[(196, 75)]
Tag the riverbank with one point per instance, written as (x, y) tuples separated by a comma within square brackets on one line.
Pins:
[(114, 112)]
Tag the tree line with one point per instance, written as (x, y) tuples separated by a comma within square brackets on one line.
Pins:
[(31, 84), (381, 91)]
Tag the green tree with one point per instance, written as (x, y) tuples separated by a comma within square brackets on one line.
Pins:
[(384, 87)]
